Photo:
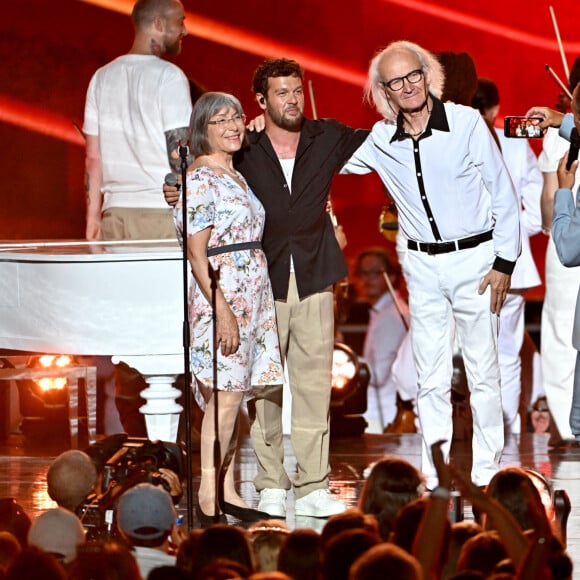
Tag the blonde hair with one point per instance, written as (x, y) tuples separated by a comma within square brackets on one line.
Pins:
[(431, 67)]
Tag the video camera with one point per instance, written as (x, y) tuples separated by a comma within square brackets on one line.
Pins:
[(123, 462)]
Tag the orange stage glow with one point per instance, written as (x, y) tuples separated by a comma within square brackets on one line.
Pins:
[(489, 26), (252, 43), (39, 120)]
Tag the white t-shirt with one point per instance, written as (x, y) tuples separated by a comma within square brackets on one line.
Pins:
[(131, 103)]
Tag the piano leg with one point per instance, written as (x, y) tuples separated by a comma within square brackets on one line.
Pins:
[(161, 410)]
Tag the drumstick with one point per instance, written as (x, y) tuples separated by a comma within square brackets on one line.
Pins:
[(312, 101), (558, 81), (395, 300), (315, 117), (560, 46)]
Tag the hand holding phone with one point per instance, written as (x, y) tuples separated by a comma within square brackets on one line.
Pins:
[(523, 127), (574, 148)]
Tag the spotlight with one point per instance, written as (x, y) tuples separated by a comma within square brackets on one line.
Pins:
[(348, 401), (43, 401)]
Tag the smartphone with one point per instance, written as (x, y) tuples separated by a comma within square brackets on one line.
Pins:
[(523, 127), (574, 148)]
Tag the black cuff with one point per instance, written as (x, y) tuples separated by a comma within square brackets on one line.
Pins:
[(504, 266)]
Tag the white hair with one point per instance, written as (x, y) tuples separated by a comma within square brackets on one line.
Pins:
[(431, 67)]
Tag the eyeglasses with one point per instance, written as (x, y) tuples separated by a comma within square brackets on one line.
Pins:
[(397, 83), (239, 119)]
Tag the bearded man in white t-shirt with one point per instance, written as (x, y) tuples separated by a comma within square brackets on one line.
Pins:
[(137, 111)]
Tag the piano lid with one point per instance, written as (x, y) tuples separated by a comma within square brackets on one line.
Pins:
[(83, 250), (91, 298)]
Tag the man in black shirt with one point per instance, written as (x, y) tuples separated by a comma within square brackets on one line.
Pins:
[(290, 167)]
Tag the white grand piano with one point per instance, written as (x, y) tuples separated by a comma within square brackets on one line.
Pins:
[(123, 299)]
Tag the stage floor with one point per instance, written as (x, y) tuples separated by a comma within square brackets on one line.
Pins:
[(24, 462)]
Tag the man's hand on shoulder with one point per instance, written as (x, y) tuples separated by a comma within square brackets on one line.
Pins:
[(257, 124)]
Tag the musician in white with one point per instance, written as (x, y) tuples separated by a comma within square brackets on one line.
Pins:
[(459, 213), (525, 173), (388, 322)]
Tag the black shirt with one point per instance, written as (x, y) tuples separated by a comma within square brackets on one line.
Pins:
[(297, 223)]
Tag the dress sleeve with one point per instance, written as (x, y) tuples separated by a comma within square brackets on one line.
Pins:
[(201, 204)]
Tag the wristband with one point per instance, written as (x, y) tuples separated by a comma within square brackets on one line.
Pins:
[(441, 492)]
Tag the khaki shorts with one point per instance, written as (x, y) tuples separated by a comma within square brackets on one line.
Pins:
[(126, 223)]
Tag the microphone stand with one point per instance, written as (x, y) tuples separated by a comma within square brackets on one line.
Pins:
[(214, 277), (183, 151)]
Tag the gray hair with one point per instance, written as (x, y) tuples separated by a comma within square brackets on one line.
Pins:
[(208, 105), (431, 67)]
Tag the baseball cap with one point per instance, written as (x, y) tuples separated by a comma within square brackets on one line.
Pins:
[(145, 512), (57, 531)]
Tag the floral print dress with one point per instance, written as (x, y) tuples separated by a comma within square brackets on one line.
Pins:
[(236, 216)]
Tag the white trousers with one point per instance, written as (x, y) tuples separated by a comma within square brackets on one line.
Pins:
[(558, 354), (510, 340), (442, 289)]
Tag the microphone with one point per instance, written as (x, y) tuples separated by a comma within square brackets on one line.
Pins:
[(183, 155), (574, 148), (171, 180)]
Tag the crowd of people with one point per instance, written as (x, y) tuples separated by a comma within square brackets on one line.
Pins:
[(264, 254), (397, 530)]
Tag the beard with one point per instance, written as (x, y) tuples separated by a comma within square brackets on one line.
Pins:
[(288, 123), (173, 48)]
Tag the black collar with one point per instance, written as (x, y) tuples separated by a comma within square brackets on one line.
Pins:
[(437, 120)]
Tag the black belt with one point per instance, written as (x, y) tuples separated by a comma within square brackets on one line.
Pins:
[(234, 248), (446, 247)]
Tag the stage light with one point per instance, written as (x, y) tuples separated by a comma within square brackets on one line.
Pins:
[(348, 401), (51, 361), (43, 401)]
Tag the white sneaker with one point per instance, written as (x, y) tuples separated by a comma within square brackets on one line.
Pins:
[(319, 503), (273, 502)]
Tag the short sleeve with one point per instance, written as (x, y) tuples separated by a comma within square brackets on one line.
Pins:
[(175, 99), (91, 119), (201, 204)]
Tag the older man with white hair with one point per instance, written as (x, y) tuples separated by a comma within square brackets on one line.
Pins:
[(459, 218)]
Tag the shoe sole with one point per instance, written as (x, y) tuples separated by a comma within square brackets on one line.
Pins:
[(310, 514), (273, 513)]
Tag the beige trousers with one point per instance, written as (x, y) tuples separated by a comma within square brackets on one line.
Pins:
[(127, 223), (306, 332)]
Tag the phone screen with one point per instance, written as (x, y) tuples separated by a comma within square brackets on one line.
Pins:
[(522, 127)]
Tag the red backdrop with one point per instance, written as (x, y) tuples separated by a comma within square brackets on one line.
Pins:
[(49, 50)]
